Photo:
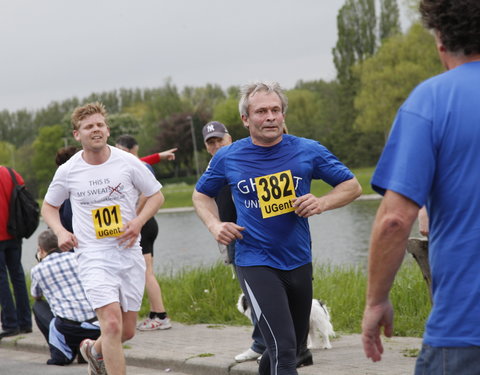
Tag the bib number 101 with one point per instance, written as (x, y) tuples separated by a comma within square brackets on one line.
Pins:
[(107, 221)]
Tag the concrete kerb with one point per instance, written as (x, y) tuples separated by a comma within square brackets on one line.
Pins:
[(209, 350)]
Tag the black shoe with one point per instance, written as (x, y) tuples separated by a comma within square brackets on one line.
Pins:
[(305, 358), (25, 330), (9, 332)]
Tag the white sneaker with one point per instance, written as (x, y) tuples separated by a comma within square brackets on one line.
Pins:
[(154, 324), (247, 355)]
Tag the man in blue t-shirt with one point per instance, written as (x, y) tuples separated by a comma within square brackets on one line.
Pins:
[(269, 174), (431, 159)]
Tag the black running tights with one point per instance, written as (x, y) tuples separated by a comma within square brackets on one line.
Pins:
[(281, 301)]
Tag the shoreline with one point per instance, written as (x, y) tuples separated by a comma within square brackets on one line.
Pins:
[(363, 197)]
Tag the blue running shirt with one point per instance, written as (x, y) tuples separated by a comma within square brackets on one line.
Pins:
[(263, 180)]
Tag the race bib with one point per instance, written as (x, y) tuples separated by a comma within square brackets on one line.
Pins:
[(275, 193), (107, 221)]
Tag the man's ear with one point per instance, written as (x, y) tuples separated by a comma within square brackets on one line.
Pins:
[(245, 121)]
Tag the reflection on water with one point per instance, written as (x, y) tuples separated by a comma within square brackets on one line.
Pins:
[(340, 237)]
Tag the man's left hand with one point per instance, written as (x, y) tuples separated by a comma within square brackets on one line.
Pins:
[(130, 233)]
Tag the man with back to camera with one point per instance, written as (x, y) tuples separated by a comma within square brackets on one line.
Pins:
[(270, 174), (215, 136), (103, 184), (432, 158)]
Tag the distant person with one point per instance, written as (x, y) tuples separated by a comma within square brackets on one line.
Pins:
[(270, 174), (431, 158), (16, 316), (103, 184), (215, 136), (157, 318), (66, 317)]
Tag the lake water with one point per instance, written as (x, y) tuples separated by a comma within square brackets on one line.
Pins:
[(339, 237)]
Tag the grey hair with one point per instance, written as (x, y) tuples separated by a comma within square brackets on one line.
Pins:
[(249, 89), (48, 241)]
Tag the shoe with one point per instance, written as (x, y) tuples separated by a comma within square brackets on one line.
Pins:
[(95, 366), (154, 324), (9, 332), (247, 355), (305, 358)]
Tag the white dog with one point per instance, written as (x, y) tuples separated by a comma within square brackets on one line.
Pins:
[(319, 322)]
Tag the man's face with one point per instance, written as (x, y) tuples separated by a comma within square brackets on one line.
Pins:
[(92, 132), (213, 144), (265, 118)]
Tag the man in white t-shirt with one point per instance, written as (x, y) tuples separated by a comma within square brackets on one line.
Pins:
[(103, 184)]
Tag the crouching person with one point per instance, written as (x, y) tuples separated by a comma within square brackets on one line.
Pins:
[(65, 318)]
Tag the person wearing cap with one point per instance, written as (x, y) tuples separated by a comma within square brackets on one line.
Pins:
[(270, 175), (215, 136)]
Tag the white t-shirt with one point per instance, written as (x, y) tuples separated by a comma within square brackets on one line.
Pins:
[(103, 196)]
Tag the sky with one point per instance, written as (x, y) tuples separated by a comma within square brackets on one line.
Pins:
[(52, 50)]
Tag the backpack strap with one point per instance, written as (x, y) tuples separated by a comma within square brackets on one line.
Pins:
[(14, 179)]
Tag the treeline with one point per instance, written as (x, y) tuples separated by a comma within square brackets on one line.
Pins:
[(377, 66)]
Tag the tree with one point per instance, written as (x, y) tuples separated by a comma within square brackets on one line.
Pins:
[(389, 19), (388, 77), (227, 113), (7, 154), (45, 146), (123, 124)]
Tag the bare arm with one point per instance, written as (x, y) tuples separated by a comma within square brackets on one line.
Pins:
[(207, 210), (423, 222), (133, 227), (168, 154), (308, 205), (391, 228), (51, 215)]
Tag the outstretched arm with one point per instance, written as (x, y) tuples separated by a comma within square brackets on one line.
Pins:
[(155, 158), (388, 242), (207, 210), (308, 205)]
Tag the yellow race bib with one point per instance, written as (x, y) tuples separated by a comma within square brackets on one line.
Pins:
[(107, 221), (275, 193)]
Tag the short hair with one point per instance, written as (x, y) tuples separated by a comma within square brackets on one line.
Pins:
[(249, 89), (81, 113), (48, 241), (126, 141), (65, 153), (456, 21)]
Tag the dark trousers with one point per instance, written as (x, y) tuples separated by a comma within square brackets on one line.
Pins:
[(16, 312), (282, 302), (70, 332)]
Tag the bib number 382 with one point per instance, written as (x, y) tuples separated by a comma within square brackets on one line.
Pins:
[(275, 193), (107, 221)]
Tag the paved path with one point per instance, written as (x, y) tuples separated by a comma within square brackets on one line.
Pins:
[(209, 350)]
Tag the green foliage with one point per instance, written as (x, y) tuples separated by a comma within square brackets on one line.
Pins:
[(389, 19), (227, 113), (121, 124), (387, 78), (7, 154), (304, 113), (45, 146)]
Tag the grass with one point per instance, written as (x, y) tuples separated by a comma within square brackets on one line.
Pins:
[(179, 194), (209, 296)]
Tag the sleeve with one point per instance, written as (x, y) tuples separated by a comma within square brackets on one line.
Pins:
[(327, 167), (407, 164), (213, 179), (58, 192), (35, 289), (151, 159), (143, 179)]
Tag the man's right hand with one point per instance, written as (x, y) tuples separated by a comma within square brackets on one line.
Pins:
[(66, 240), (226, 232)]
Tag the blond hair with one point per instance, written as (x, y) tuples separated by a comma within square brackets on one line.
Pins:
[(81, 113)]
